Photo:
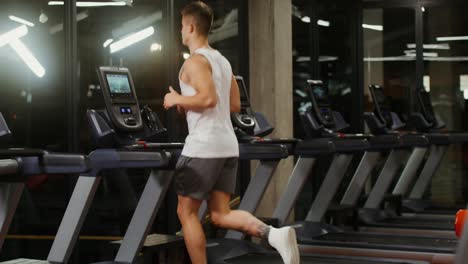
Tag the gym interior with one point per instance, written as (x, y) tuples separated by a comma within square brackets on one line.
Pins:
[(351, 129)]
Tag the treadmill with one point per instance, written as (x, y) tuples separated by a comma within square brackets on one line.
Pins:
[(120, 96), (427, 121), (333, 237), (233, 249), (371, 214), (18, 164)]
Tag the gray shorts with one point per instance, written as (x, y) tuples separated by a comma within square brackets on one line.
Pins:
[(197, 177)]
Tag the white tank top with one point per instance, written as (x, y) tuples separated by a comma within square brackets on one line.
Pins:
[(211, 134)]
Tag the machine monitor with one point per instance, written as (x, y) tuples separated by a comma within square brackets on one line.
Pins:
[(119, 84), (318, 94), (425, 102), (120, 98), (381, 104), (244, 97), (244, 120)]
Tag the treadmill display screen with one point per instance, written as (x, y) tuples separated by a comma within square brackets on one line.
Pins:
[(428, 111), (380, 97), (119, 84), (320, 94)]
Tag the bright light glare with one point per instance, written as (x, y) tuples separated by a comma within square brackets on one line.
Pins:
[(11, 35), (131, 39), (323, 23), (156, 47), (107, 43), (25, 54), (373, 27), (20, 20), (305, 19), (90, 4), (186, 55), (456, 38)]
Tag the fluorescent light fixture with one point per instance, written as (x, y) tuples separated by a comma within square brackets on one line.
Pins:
[(427, 83), (59, 27), (25, 54), (107, 43), (425, 54), (412, 58), (373, 27), (90, 4), (20, 20), (305, 19), (444, 46), (323, 23), (327, 58), (155, 47), (455, 38), (463, 82), (11, 35), (303, 58), (131, 39), (465, 94), (186, 55)]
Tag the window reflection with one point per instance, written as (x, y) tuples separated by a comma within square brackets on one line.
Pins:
[(445, 65), (389, 59)]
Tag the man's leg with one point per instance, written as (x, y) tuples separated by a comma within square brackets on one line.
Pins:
[(195, 241), (282, 239), (224, 217)]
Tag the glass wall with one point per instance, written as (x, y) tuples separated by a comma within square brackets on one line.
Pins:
[(33, 100), (389, 35), (446, 74), (32, 70), (32, 93)]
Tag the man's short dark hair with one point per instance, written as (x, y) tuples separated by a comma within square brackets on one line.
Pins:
[(202, 14)]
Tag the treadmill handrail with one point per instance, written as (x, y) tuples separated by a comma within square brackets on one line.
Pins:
[(9, 166)]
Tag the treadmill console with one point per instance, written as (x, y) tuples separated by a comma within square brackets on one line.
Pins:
[(318, 94), (5, 133), (245, 119), (120, 98), (381, 105), (425, 106)]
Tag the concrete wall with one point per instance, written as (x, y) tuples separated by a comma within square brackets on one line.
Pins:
[(270, 48)]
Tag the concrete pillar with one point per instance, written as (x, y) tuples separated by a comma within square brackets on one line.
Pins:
[(270, 52)]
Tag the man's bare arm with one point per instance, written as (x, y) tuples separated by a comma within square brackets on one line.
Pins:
[(199, 75)]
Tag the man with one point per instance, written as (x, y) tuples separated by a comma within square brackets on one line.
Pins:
[(207, 169)]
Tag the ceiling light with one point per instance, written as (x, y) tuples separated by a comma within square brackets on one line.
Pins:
[(107, 43), (20, 20), (444, 46), (59, 27), (131, 39), (90, 4), (373, 27), (305, 19), (156, 47), (323, 23), (455, 38), (11, 35), (25, 54)]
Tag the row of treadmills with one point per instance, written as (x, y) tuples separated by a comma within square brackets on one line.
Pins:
[(415, 233)]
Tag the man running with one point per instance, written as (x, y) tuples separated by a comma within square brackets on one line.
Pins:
[(207, 168)]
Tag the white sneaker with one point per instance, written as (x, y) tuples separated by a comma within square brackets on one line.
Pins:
[(284, 241)]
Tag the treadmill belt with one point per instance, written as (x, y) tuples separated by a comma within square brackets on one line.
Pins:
[(276, 259), (391, 239)]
